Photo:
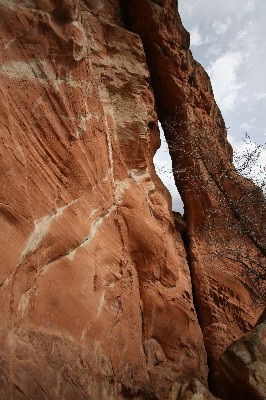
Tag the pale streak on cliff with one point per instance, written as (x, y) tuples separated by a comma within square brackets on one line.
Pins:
[(41, 228)]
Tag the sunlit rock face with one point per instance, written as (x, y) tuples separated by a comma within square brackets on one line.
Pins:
[(96, 296)]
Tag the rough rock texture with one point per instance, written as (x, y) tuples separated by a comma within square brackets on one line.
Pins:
[(180, 223), (244, 365), (96, 297), (192, 391), (200, 152)]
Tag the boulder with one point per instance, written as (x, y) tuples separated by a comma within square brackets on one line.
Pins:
[(193, 390), (243, 365)]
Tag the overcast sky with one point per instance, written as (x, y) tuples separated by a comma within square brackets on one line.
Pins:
[(228, 38)]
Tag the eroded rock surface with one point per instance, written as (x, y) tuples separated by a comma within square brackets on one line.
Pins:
[(95, 286), (205, 177), (244, 365), (96, 297), (191, 391)]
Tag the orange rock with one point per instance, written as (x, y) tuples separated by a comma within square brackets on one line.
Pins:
[(197, 139), (96, 290), (96, 296)]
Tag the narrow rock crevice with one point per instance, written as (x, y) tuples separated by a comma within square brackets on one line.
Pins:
[(151, 40)]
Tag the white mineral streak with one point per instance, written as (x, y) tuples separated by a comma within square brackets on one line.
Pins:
[(41, 228)]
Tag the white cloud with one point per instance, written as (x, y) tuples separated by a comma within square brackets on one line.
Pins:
[(240, 37), (247, 38), (260, 95), (245, 35), (248, 125), (250, 6), (164, 171), (256, 164), (214, 50), (195, 37), (189, 6), (245, 126), (224, 79), (221, 27), (163, 166)]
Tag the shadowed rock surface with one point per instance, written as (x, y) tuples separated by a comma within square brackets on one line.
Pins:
[(193, 391), (244, 365), (180, 223)]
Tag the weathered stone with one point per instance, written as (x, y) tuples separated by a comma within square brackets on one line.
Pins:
[(191, 391), (96, 298), (95, 287), (197, 139), (180, 223), (243, 365)]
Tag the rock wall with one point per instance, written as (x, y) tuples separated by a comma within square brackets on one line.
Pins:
[(244, 365), (97, 299), (96, 296), (201, 156)]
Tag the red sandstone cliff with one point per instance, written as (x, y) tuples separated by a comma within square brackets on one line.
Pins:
[(96, 290), (201, 154)]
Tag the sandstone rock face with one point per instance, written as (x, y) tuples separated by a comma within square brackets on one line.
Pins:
[(244, 365), (192, 391), (95, 286), (180, 223), (205, 177), (96, 295)]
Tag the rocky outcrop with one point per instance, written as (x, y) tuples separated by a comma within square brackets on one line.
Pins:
[(244, 365), (219, 225), (180, 223), (192, 391), (97, 296)]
